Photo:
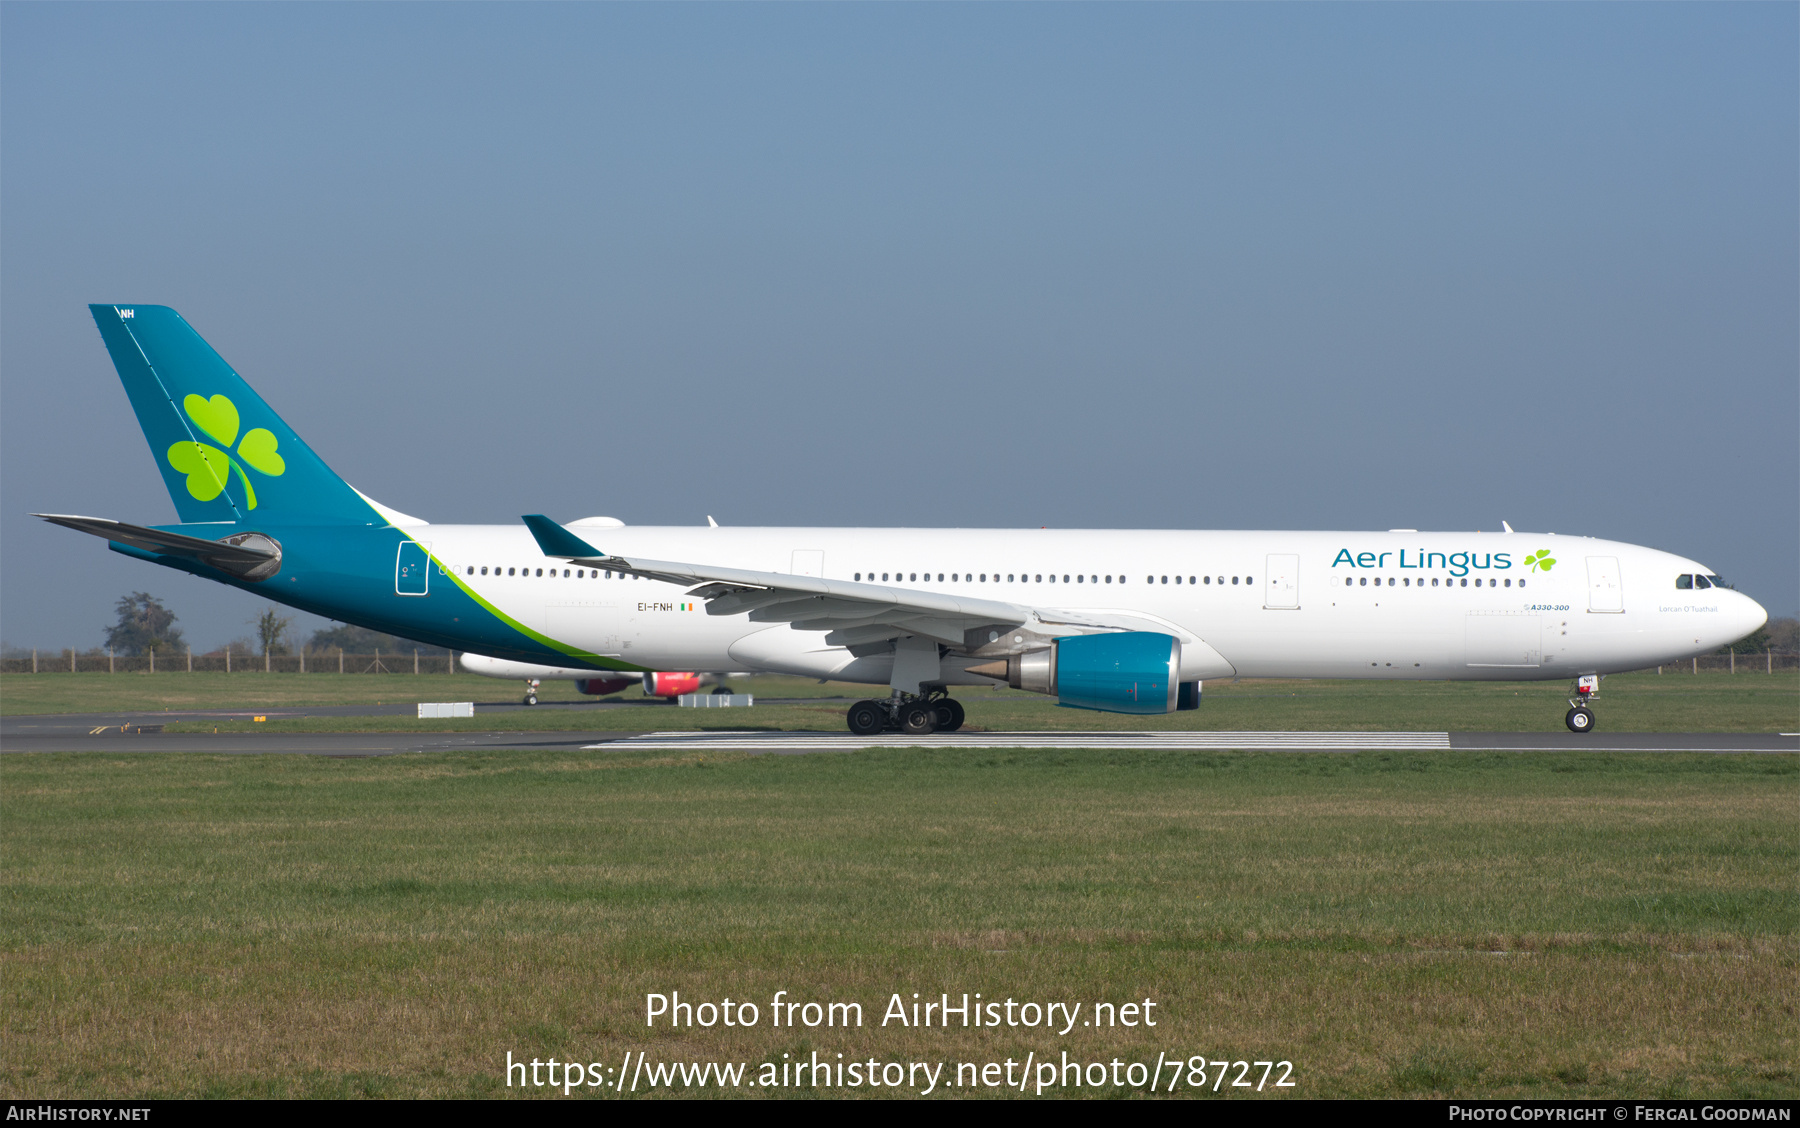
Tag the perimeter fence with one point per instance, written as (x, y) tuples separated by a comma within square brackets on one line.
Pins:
[(414, 662), (230, 662)]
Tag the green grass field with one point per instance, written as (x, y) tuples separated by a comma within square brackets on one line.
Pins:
[(1640, 702), (1395, 924)]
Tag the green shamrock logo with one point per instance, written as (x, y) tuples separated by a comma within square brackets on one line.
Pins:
[(1540, 561), (208, 468)]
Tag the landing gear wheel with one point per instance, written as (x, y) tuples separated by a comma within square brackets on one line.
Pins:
[(917, 718), (866, 718), (1580, 719), (531, 699), (949, 714), (723, 691)]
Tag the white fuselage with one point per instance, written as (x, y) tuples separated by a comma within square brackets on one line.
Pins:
[(1245, 604)]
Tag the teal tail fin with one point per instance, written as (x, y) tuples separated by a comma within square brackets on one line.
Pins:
[(224, 455)]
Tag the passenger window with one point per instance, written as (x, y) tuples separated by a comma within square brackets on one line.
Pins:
[(565, 573), (509, 571), (1700, 582), (1109, 579), (1079, 579), (1039, 580), (1465, 583), (1478, 582), (940, 577), (1208, 579), (1508, 583), (1521, 583), (1405, 581), (1234, 581), (484, 569), (1434, 581), (1190, 579), (1365, 581)]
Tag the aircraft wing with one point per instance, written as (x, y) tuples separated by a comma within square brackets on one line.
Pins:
[(853, 613)]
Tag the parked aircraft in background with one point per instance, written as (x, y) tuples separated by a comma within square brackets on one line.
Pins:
[(659, 683), (1127, 621)]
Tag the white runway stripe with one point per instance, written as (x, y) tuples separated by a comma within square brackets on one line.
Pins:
[(832, 742)]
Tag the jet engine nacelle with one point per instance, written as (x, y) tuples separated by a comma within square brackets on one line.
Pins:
[(670, 684), (1127, 672)]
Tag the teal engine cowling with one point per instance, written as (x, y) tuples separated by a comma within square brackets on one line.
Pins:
[(1127, 672)]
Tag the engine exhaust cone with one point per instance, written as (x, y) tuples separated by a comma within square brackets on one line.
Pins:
[(995, 670)]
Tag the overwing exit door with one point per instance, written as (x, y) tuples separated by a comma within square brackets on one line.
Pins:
[(1282, 590)]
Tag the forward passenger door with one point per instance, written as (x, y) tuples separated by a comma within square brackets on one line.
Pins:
[(1606, 595)]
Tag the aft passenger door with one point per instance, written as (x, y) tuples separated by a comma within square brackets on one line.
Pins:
[(1606, 595), (1283, 590), (412, 569)]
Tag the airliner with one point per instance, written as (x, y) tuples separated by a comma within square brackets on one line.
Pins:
[(656, 683), (1127, 621)]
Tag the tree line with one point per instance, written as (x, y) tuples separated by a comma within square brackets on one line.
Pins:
[(144, 624)]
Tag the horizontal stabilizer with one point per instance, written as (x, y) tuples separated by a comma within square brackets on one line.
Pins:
[(254, 556)]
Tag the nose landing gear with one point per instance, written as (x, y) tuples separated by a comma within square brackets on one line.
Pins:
[(1579, 717), (531, 690), (912, 714)]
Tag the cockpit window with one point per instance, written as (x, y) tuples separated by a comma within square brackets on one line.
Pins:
[(1683, 583), (1700, 582), (1718, 581)]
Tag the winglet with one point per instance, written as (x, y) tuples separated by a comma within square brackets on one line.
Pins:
[(558, 541)]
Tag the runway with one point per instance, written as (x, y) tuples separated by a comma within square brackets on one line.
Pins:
[(138, 732), (801, 742), (1147, 741)]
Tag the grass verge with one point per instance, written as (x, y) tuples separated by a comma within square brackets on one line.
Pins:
[(1395, 924)]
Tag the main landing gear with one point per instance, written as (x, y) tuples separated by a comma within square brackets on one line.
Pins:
[(1580, 718), (912, 714)]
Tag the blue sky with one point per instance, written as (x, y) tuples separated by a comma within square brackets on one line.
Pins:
[(1188, 266)]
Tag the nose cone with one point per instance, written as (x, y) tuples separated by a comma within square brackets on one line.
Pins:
[(1748, 617)]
